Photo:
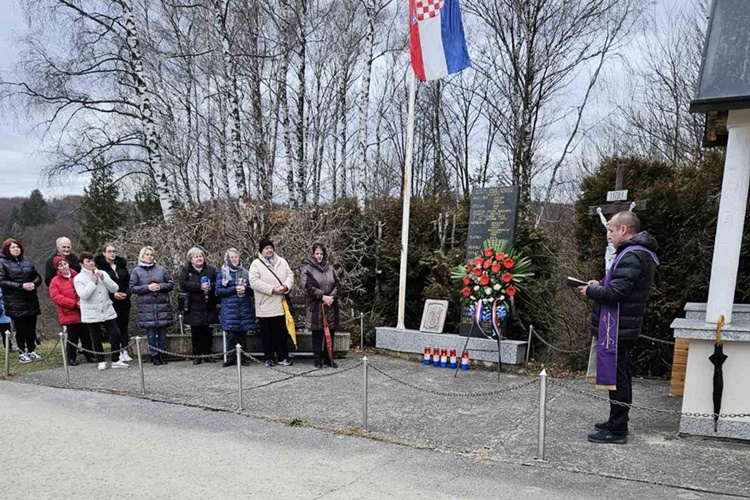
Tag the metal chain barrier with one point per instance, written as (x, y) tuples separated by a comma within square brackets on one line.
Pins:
[(52, 353), (313, 373), (454, 394), (652, 339), (189, 356), (533, 330), (82, 349), (568, 387)]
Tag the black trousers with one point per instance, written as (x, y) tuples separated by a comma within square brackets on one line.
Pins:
[(25, 333), (273, 335), (320, 350), (76, 332), (110, 326), (234, 338), (202, 337), (4, 327), (619, 415), (122, 308)]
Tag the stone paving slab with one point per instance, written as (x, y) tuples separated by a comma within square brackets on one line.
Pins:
[(499, 427)]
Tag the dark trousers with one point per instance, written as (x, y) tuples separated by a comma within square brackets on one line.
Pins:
[(234, 338), (110, 326), (273, 335), (202, 337), (320, 349), (76, 332), (25, 333), (4, 327), (122, 308), (619, 415)]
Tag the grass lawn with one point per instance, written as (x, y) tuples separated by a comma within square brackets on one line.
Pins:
[(52, 359)]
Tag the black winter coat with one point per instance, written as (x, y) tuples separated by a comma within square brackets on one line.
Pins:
[(14, 273), (119, 275), (318, 280), (202, 307), (154, 309), (630, 287), (50, 271)]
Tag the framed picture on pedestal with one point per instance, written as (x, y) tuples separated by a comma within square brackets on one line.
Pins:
[(433, 316)]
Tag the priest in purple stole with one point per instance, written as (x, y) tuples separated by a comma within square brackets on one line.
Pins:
[(620, 303)]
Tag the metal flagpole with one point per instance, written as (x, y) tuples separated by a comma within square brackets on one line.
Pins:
[(406, 199)]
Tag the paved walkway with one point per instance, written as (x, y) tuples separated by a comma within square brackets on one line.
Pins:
[(499, 428)]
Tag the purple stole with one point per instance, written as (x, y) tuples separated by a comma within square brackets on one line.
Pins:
[(609, 328)]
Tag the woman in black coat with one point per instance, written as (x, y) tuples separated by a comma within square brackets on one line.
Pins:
[(198, 281), (116, 267), (19, 280), (321, 285)]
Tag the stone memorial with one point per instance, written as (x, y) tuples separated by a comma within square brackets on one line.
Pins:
[(433, 316)]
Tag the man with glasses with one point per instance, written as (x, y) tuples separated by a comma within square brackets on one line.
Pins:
[(63, 249)]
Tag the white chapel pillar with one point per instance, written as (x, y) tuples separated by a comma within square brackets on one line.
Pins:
[(732, 207)]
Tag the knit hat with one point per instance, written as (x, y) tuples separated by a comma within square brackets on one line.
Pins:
[(56, 260), (265, 242)]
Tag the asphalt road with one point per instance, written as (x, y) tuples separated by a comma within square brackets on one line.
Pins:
[(66, 444)]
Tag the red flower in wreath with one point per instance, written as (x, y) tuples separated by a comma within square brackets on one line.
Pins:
[(507, 278), (467, 280), (509, 263), (466, 292), (511, 291), (469, 267), (499, 256), (496, 267), (484, 280), (488, 252), (477, 272), (478, 262), (487, 264)]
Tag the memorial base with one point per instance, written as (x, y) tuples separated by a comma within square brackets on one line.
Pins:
[(698, 392), (512, 352)]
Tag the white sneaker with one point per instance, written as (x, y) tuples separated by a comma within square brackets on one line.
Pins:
[(24, 359), (120, 364), (124, 356), (103, 366), (34, 356)]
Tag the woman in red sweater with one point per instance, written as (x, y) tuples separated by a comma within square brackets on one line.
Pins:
[(64, 295)]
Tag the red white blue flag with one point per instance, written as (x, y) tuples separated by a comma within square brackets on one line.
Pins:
[(437, 43)]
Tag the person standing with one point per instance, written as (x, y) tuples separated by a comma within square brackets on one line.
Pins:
[(321, 286), (63, 248), (198, 280), (620, 303), (93, 287), (237, 306), (63, 293), (152, 284), (271, 278), (19, 281), (116, 267)]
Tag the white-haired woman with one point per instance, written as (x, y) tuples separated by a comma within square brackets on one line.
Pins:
[(198, 281), (152, 284)]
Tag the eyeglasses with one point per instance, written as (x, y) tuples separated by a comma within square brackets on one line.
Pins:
[(110, 251)]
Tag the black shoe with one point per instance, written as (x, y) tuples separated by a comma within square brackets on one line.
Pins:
[(318, 364), (210, 360), (245, 362), (73, 363), (270, 363), (197, 361), (227, 364), (163, 361), (606, 437), (330, 363), (604, 426), (156, 360), (91, 359)]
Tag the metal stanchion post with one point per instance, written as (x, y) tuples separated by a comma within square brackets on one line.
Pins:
[(224, 336), (182, 332), (63, 345), (239, 375), (528, 348), (542, 415), (364, 407), (7, 353), (140, 363), (361, 331)]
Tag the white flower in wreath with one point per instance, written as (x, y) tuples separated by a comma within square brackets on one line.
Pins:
[(496, 287), (488, 291), (476, 288)]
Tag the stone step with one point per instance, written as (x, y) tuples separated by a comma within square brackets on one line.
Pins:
[(737, 331), (697, 310)]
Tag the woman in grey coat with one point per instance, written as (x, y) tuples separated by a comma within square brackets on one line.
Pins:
[(321, 287), (151, 283)]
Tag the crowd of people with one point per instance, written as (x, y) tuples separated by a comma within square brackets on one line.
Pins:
[(93, 293)]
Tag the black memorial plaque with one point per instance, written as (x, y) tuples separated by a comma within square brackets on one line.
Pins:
[(493, 214)]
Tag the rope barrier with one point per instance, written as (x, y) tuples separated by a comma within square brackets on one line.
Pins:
[(581, 392), (533, 330)]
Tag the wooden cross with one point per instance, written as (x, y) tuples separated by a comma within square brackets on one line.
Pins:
[(617, 200)]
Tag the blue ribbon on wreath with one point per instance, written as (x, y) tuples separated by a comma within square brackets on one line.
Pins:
[(494, 315)]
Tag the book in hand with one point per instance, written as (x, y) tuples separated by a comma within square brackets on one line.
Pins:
[(576, 282)]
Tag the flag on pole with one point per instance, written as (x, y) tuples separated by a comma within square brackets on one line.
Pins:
[(437, 43)]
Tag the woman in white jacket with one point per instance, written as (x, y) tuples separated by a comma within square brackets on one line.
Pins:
[(93, 287)]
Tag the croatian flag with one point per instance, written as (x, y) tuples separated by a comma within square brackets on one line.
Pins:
[(437, 43)]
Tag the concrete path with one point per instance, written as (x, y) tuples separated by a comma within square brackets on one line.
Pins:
[(73, 444), (461, 417)]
